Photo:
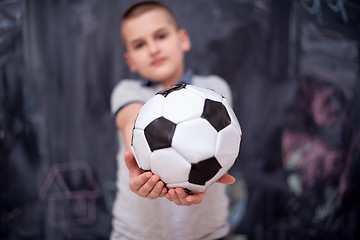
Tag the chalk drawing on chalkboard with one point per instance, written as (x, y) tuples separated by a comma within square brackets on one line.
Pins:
[(312, 149), (70, 190)]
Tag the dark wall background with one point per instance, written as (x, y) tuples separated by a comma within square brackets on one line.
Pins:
[(294, 70)]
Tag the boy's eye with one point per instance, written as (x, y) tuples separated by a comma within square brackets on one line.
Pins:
[(138, 45), (161, 35)]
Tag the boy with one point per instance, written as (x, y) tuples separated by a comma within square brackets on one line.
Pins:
[(144, 208)]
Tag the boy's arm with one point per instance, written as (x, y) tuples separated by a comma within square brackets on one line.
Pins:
[(125, 120), (143, 184)]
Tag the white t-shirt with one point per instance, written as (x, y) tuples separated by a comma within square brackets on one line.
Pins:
[(140, 218)]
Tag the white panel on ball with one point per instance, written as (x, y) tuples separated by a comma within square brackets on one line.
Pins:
[(205, 93), (183, 105), (148, 112), (141, 149), (227, 147), (170, 166), (195, 140)]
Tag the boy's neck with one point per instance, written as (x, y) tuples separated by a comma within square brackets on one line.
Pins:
[(186, 78)]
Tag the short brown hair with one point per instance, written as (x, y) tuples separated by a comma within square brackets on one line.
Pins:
[(143, 7)]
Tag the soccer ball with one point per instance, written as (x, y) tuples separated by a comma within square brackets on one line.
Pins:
[(188, 136)]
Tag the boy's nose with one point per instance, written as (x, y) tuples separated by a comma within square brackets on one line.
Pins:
[(153, 48)]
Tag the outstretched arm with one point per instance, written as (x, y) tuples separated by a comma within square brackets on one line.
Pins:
[(144, 184)]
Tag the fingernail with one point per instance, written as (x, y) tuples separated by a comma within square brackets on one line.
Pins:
[(153, 179)]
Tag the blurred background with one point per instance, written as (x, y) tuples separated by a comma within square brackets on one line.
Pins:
[(293, 66)]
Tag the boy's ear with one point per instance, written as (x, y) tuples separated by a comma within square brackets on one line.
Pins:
[(185, 40), (129, 62)]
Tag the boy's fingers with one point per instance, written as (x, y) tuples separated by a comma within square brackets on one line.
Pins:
[(226, 179), (182, 196), (148, 186), (156, 191), (138, 182), (167, 195), (196, 198), (163, 192), (172, 196)]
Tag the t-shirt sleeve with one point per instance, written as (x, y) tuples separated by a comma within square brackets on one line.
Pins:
[(217, 84), (124, 93)]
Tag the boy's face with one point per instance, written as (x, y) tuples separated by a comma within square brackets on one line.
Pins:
[(155, 47)]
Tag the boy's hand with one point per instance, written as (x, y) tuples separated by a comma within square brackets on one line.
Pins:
[(180, 197), (148, 185), (144, 184), (226, 179)]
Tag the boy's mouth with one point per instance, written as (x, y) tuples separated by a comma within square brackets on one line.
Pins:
[(158, 61)]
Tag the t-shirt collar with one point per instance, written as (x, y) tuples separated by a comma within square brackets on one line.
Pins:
[(186, 79)]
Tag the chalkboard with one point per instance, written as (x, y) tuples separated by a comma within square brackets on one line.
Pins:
[(293, 67)]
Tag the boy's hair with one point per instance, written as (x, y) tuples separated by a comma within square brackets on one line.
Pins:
[(143, 7)]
